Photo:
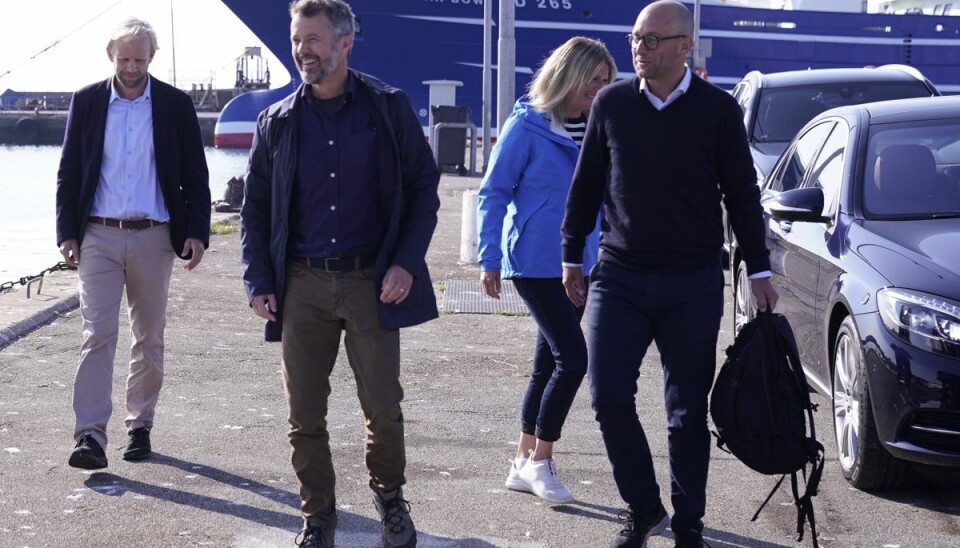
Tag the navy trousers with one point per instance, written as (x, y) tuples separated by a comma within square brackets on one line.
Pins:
[(680, 312), (559, 358)]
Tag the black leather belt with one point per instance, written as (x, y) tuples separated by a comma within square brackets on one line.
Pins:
[(125, 224), (337, 264)]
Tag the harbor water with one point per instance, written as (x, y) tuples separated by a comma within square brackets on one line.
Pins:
[(28, 185)]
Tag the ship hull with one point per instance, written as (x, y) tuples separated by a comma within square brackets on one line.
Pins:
[(408, 42)]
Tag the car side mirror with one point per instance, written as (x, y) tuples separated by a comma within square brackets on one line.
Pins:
[(798, 205)]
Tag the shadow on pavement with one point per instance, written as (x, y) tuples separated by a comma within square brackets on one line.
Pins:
[(351, 526), (268, 491), (587, 510), (113, 485), (723, 539)]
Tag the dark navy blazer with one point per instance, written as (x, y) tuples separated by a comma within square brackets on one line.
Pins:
[(178, 149)]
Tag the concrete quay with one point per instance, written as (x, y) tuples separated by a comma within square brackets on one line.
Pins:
[(221, 476), (46, 127)]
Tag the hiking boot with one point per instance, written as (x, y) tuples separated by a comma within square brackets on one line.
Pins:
[(398, 530), (638, 529), (689, 538), (88, 454), (138, 448), (542, 477), (514, 481), (315, 536)]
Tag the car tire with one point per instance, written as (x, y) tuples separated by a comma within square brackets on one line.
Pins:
[(862, 458), (744, 308)]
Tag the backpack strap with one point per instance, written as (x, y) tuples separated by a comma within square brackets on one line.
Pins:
[(720, 442), (766, 500), (782, 342)]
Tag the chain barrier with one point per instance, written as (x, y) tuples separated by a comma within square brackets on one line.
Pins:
[(7, 286)]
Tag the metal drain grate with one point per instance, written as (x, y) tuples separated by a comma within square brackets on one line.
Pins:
[(461, 297)]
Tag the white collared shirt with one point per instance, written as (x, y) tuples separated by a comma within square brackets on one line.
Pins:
[(128, 187), (680, 90)]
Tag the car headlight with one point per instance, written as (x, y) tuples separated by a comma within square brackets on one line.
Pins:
[(926, 321)]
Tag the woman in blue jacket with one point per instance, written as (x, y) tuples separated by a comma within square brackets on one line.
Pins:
[(520, 207)]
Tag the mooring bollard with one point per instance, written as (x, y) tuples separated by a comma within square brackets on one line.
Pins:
[(468, 228)]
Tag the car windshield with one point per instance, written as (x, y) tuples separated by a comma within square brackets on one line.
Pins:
[(913, 170), (781, 112)]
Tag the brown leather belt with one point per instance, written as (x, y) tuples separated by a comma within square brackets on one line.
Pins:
[(125, 224), (336, 264)]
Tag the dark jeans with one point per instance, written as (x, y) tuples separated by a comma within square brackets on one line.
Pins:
[(559, 357), (680, 312)]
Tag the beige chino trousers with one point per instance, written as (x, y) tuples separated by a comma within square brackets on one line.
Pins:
[(112, 259)]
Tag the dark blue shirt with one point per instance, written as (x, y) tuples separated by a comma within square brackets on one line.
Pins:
[(336, 209)]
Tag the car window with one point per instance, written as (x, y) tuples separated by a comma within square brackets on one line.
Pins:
[(781, 112), (827, 171), (793, 166), (911, 170)]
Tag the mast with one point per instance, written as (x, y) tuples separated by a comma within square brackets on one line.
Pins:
[(173, 46)]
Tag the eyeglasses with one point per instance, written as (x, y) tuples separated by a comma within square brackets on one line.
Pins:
[(650, 41)]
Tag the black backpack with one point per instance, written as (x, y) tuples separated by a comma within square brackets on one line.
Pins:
[(761, 408)]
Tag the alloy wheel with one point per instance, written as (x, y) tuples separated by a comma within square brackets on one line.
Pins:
[(846, 403)]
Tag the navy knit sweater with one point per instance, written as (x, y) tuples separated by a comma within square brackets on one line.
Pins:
[(668, 171)]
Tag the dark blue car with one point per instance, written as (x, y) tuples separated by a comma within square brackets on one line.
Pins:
[(863, 225), (776, 105)]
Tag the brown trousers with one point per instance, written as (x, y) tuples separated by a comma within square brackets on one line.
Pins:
[(112, 259), (318, 307)]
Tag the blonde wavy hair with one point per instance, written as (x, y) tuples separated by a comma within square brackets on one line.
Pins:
[(565, 71), (131, 28)]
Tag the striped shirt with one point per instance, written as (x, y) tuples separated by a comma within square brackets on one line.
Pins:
[(575, 127)]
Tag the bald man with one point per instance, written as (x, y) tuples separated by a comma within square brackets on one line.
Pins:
[(674, 146)]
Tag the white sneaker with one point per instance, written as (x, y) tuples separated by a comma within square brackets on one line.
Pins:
[(514, 481), (543, 479)]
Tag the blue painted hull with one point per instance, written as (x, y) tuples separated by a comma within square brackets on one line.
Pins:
[(405, 42)]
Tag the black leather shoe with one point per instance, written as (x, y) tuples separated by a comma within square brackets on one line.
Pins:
[(138, 448), (88, 454), (638, 529)]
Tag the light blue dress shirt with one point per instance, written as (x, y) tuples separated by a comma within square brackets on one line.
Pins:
[(128, 187)]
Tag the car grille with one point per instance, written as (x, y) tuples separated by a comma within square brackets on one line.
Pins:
[(935, 430)]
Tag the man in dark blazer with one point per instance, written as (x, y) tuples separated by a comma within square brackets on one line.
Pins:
[(340, 205), (132, 193)]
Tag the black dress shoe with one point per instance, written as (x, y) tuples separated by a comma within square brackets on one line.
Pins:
[(88, 454), (138, 448)]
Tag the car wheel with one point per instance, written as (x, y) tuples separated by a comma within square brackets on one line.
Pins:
[(744, 308), (863, 460)]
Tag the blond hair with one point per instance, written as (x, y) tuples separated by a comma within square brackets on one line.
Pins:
[(565, 71), (132, 28)]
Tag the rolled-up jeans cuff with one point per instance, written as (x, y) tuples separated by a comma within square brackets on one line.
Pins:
[(547, 436)]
